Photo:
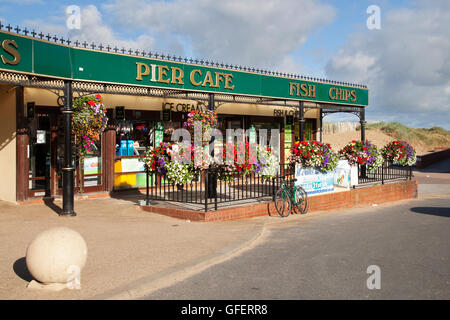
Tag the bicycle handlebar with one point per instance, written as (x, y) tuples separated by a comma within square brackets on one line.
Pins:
[(285, 176)]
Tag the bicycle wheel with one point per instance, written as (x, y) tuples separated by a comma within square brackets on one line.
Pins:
[(301, 200), (283, 203)]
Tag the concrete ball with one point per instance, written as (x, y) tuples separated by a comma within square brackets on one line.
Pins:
[(55, 255)]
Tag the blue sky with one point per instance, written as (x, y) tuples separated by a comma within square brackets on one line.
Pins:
[(326, 39)]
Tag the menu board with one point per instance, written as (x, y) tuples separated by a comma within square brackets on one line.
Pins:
[(287, 141), (91, 165)]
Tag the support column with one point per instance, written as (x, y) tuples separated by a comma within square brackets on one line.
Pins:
[(362, 118), (302, 121), (211, 102), (22, 142), (68, 169), (110, 152), (321, 126)]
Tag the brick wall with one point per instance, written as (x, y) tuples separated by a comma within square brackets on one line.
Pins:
[(428, 159), (340, 200)]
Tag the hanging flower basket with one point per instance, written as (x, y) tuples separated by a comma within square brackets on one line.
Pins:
[(208, 120), (88, 122), (313, 154), (357, 152), (270, 164), (399, 152), (156, 159)]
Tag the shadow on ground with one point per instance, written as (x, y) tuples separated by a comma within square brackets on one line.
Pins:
[(20, 268), (435, 211), (51, 204), (134, 196)]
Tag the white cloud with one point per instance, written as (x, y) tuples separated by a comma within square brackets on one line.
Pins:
[(93, 29), (20, 2), (252, 32), (406, 65)]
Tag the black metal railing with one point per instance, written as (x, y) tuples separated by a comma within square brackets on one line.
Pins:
[(208, 191), (388, 171)]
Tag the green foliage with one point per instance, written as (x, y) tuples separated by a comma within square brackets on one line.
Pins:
[(435, 136)]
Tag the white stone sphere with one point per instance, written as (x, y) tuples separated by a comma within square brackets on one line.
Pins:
[(55, 255)]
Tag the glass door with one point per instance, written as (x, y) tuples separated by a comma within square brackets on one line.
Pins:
[(39, 156), (46, 158), (90, 169)]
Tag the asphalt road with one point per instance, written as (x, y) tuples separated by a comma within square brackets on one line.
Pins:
[(327, 257)]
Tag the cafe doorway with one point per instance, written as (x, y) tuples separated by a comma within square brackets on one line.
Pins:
[(46, 158)]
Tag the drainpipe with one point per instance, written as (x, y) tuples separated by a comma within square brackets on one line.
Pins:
[(302, 121)]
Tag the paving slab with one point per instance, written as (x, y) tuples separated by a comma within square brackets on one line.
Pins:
[(125, 244)]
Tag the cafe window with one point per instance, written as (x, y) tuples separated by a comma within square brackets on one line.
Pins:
[(268, 126), (169, 128), (133, 137)]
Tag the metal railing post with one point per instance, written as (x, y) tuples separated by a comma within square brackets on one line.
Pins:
[(273, 189), (206, 190), (215, 191), (147, 185)]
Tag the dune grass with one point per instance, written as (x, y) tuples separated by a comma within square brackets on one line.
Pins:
[(433, 137)]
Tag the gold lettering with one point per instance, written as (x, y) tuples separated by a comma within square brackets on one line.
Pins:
[(347, 94), (153, 66), (330, 93), (219, 78), (312, 91), (228, 81), (9, 49), (163, 72), (293, 86), (192, 77), (141, 73), (304, 89), (208, 79), (178, 78), (353, 96)]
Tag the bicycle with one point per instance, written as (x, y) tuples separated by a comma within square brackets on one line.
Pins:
[(290, 197)]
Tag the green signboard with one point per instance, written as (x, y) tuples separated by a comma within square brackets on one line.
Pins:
[(36, 56), (287, 141)]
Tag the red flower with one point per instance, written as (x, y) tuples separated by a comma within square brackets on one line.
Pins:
[(98, 96), (91, 102)]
